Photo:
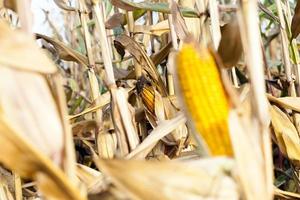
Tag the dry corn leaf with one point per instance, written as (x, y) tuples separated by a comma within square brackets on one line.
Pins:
[(80, 128), (292, 103), (163, 53), (107, 145), (295, 27), (62, 4), (163, 129), (32, 164), (152, 6), (104, 100), (178, 21), (116, 20), (156, 29), (286, 134), (168, 180), (19, 51), (125, 42), (285, 194), (5, 194), (65, 52), (93, 179)]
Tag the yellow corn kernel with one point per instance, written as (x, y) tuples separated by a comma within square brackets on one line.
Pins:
[(148, 98), (205, 98)]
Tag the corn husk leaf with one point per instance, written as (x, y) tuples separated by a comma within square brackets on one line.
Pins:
[(286, 134), (168, 180), (20, 52), (248, 156), (32, 164), (230, 48), (292, 103), (20, 109)]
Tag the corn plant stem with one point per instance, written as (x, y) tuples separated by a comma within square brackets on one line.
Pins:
[(172, 29), (215, 23), (91, 73), (293, 46), (18, 187), (251, 44), (137, 67), (234, 77), (295, 58), (110, 78), (25, 15), (285, 50), (201, 5), (150, 22), (130, 20), (250, 33), (118, 96)]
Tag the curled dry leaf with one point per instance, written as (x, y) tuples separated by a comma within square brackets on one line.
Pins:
[(80, 128), (286, 134), (230, 48), (116, 20), (168, 180), (295, 27), (11, 4)]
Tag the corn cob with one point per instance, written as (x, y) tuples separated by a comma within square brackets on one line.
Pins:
[(146, 91), (205, 98)]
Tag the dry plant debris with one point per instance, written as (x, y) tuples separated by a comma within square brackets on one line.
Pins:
[(164, 99)]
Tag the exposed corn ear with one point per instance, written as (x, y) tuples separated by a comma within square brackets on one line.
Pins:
[(148, 97), (147, 94), (205, 98)]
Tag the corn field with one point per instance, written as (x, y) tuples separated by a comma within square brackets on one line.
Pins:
[(149, 99)]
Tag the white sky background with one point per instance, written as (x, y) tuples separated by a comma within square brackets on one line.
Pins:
[(39, 23)]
